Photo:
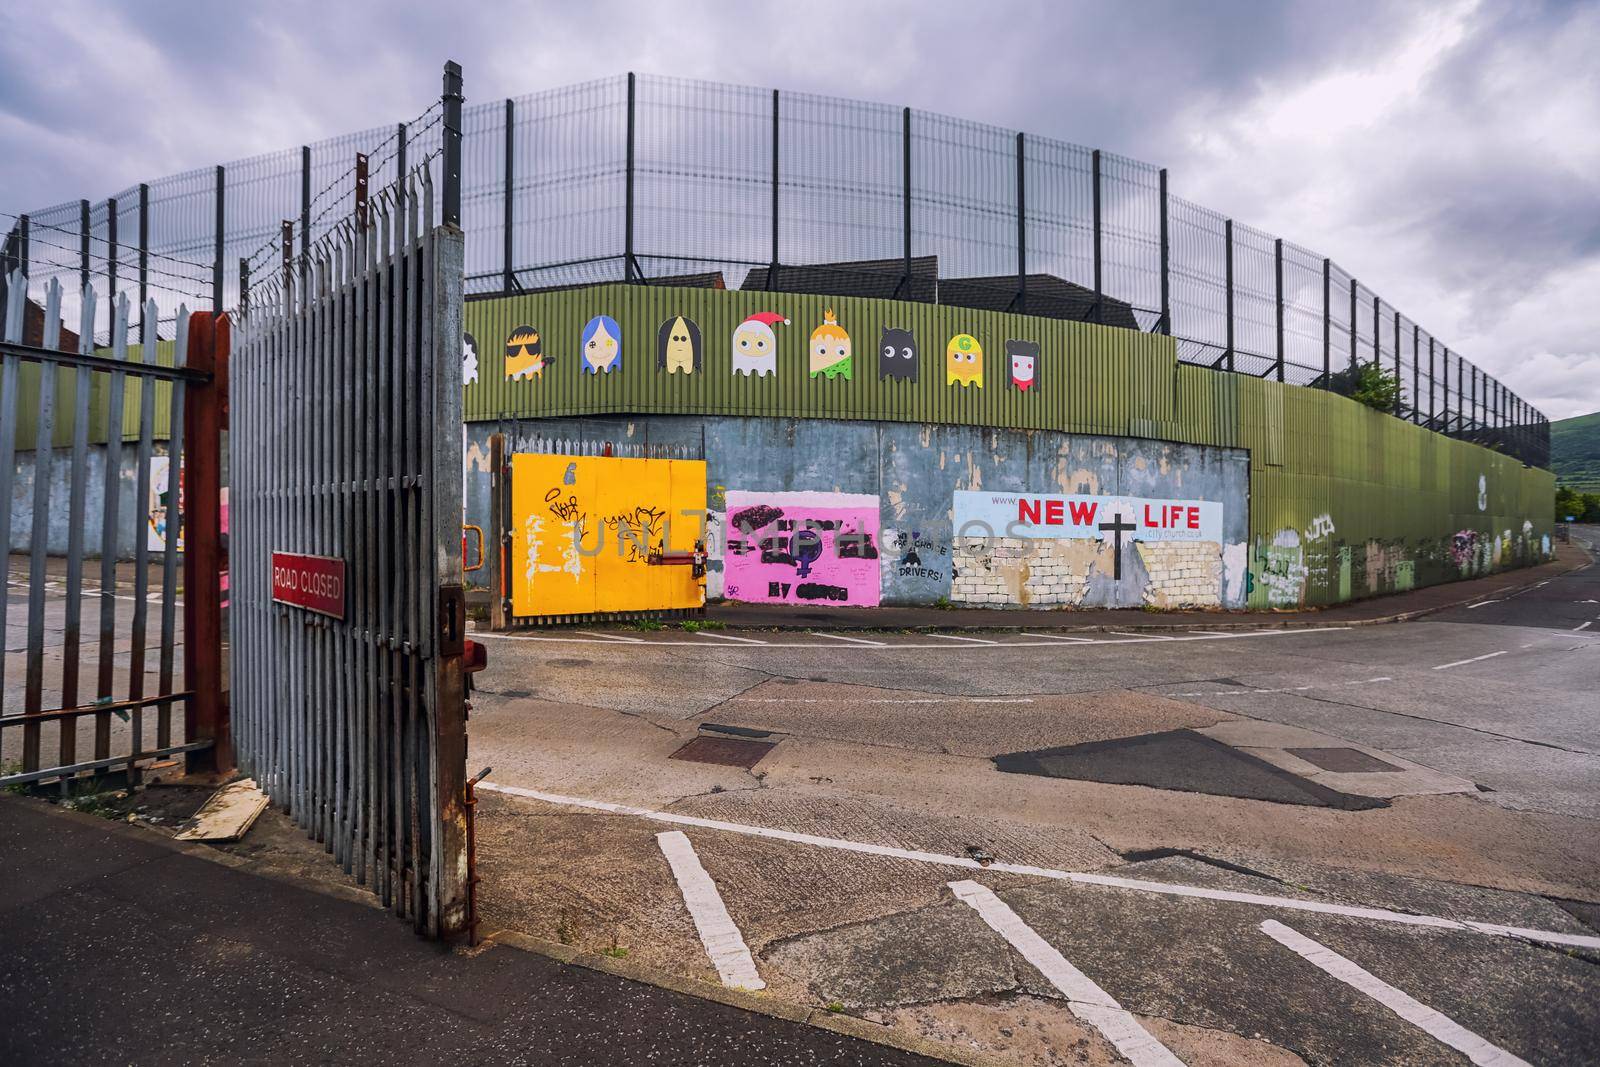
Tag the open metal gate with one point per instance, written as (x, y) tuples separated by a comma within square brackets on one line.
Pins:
[(81, 423), (348, 615)]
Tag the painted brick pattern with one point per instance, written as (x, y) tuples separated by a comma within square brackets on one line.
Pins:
[(1183, 574)]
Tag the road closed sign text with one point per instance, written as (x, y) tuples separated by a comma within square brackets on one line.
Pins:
[(315, 583)]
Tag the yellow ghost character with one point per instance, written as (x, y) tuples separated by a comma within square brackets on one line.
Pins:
[(963, 361), (524, 354)]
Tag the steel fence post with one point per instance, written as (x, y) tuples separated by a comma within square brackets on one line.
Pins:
[(905, 199), (1327, 325), (305, 213), (451, 99), (627, 187), (205, 716), (144, 244), (220, 236), (1022, 226), (1398, 396), (1166, 260), (1099, 290), (111, 258), (1277, 264), (499, 535), (772, 269), (1227, 275), (508, 273), (1353, 331), (83, 245), (1416, 373)]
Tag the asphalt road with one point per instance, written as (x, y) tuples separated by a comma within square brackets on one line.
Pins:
[(115, 947), (1482, 720)]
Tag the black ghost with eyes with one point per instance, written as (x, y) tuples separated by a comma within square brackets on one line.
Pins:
[(897, 355)]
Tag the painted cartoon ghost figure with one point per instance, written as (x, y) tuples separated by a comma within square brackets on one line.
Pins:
[(830, 349), (602, 345), (469, 359), (897, 355), (525, 356), (1024, 359), (755, 346), (963, 361), (678, 347)]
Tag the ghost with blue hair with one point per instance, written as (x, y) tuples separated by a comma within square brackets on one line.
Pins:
[(601, 345)]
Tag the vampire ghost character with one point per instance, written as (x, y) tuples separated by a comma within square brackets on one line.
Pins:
[(897, 355), (1024, 359), (678, 348)]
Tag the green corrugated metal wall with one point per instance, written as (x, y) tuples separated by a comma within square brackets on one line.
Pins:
[(99, 397), (1394, 494)]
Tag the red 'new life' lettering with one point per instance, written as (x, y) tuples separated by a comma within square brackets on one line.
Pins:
[(1082, 513), (1027, 510)]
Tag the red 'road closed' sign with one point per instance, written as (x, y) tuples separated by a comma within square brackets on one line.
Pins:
[(315, 583)]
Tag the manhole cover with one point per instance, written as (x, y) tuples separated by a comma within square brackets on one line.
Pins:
[(724, 751), (1344, 760), (1180, 760)]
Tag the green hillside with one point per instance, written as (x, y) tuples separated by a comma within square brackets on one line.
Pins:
[(1575, 452)]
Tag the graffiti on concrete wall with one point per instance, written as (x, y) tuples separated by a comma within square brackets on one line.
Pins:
[(797, 548), (584, 528), (1038, 549), (1282, 569)]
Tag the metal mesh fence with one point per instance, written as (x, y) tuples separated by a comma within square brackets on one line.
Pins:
[(671, 181)]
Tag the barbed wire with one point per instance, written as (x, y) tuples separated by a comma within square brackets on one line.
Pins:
[(35, 224), (73, 268)]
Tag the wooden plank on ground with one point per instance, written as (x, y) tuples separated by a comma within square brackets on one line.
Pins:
[(228, 814)]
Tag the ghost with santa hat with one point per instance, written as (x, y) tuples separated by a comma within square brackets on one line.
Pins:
[(755, 346)]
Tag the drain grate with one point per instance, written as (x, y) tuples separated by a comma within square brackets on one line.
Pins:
[(724, 751), (1342, 760)]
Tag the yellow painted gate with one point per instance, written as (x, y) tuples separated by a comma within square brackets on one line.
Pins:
[(583, 529)]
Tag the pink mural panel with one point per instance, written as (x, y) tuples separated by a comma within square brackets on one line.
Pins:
[(802, 548)]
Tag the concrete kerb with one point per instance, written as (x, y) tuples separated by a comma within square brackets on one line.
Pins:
[(1299, 619), (759, 1003)]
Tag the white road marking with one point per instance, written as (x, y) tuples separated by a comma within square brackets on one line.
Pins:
[(730, 637), (897, 646), (1138, 885), (1413, 1011), (973, 640), (1474, 659), (1289, 689), (852, 640), (1481, 603), (611, 637), (1148, 637), (1583, 626), (724, 943), (1086, 999), (880, 700), (1062, 637)]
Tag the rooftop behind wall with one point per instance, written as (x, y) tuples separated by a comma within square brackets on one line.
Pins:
[(649, 179)]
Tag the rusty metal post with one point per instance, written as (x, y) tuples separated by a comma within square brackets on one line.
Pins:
[(205, 714), (499, 533)]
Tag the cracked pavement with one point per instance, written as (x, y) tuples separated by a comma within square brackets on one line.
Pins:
[(887, 743)]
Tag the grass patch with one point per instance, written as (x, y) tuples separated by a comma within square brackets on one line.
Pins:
[(647, 625)]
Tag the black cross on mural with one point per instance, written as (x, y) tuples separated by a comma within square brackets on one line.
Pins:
[(1117, 528)]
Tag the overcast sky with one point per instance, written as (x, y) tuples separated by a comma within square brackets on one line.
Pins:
[(1448, 154)]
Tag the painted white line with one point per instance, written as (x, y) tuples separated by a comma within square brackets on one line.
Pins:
[(1474, 659), (880, 700), (1213, 633), (1583, 626), (852, 640), (724, 943), (899, 645), (1138, 885), (1481, 603), (973, 640), (1146, 637), (611, 637), (1062, 637), (1086, 999), (1290, 689), (730, 637), (1413, 1011)]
